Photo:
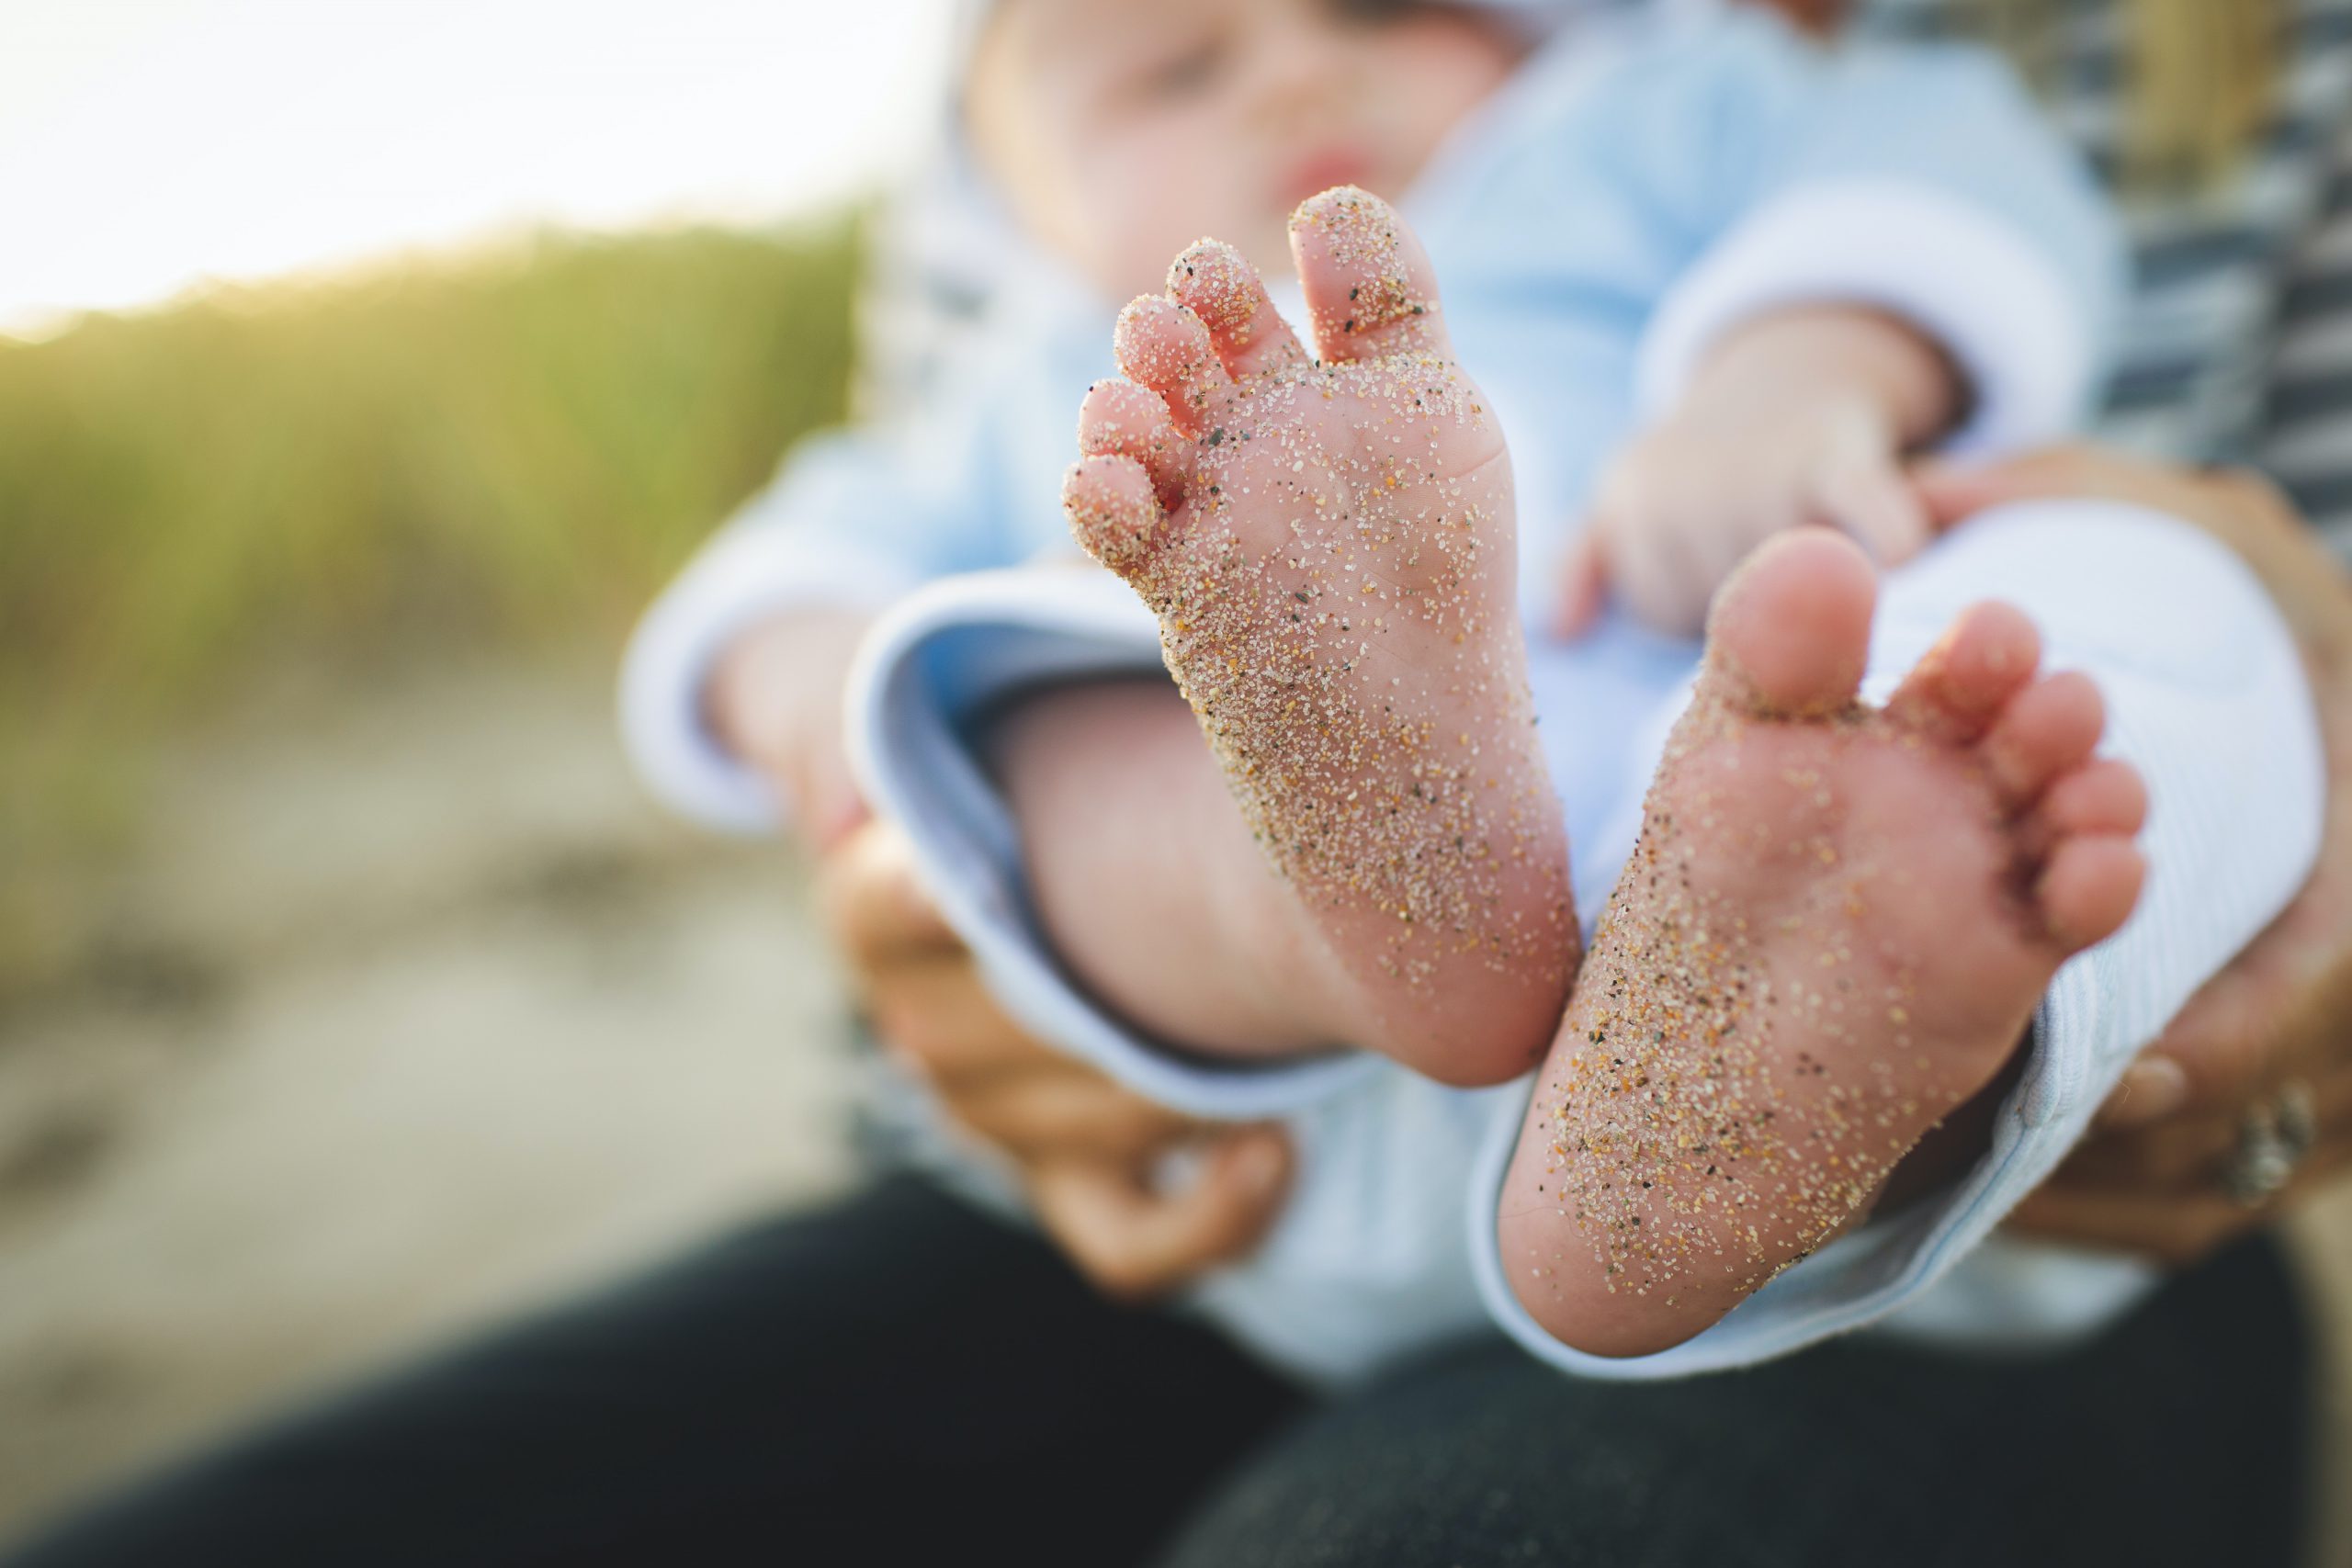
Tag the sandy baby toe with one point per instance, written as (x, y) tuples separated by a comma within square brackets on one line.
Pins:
[(1986, 658), (1164, 347), (1113, 512), (2046, 731), (1213, 281), (1370, 287), (1121, 419)]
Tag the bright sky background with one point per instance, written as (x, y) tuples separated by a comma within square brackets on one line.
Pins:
[(146, 145)]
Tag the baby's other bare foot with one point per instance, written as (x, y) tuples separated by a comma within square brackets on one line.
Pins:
[(1835, 931), (1329, 545)]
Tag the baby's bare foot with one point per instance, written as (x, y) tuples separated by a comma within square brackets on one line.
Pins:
[(1835, 931), (1329, 545)]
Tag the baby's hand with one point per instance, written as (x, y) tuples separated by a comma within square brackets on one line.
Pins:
[(1802, 417), (774, 700)]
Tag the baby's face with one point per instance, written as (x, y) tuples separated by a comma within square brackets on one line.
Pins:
[(1121, 131)]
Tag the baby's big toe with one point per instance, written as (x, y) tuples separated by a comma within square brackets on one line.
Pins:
[(1789, 633), (1370, 287)]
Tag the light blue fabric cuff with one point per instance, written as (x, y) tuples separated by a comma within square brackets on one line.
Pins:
[(748, 573), (939, 659)]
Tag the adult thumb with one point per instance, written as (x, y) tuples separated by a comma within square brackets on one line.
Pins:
[(1136, 1241)]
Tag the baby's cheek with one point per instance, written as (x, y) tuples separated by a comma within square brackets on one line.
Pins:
[(1428, 73), (1149, 194)]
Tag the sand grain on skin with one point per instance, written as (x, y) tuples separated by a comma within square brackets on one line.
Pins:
[(1713, 1104), (1365, 778)]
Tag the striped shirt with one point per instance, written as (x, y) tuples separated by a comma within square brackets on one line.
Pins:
[(2237, 342), (2237, 346)]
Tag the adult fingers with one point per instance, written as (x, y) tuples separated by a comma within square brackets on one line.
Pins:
[(1952, 491), (2173, 1152), (873, 904), (1065, 1112), (2218, 1051), (2241, 506), (2169, 1227), (2172, 1225), (2275, 1012), (936, 1011), (2190, 1148), (2151, 1089), (1134, 1242)]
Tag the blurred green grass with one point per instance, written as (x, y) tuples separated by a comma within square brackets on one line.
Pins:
[(507, 450)]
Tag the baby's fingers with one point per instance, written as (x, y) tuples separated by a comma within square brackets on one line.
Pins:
[(1581, 584), (1873, 502), (1661, 574)]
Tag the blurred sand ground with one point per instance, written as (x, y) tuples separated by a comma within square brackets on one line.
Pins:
[(414, 1015)]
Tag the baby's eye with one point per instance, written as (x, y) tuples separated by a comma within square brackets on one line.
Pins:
[(1184, 72), (1375, 12)]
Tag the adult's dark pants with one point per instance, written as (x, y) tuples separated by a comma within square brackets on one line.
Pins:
[(900, 1380)]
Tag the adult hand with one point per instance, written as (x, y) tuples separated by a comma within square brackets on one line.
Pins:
[(2150, 1178), (1089, 1151)]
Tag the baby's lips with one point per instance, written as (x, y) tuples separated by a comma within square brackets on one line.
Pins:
[(1322, 169)]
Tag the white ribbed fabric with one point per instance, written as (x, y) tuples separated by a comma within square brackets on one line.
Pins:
[(2206, 695)]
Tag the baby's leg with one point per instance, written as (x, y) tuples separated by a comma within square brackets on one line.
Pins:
[(1835, 930), (1147, 882), (1329, 545)]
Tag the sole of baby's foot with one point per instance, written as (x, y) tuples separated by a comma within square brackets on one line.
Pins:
[(1834, 931), (1328, 543)]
